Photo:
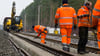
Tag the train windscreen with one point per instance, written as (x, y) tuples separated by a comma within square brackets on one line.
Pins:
[(17, 20)]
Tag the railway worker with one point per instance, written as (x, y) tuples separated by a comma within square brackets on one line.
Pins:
[(83, 24), (41, 30), (67, 16), (96, 20)]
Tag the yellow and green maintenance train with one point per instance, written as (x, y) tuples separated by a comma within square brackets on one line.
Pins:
[(13, 23), (17, 26), (7, 23)]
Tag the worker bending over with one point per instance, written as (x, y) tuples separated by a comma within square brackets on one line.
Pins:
[(96, 20), (41, 30), (84, 19), (66, 16)]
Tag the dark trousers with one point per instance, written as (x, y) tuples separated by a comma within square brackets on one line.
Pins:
[(83, 34)]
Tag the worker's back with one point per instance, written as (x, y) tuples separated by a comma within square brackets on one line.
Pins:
[(96, 20), (84, 21), (66, 15), (96, 13), (39, 27), (97, 5), (96, 10), (66, 11)]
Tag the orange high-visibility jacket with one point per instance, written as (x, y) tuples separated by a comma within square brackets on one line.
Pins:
[(39, 28), (96, 13), (67, 15), (83, 18)]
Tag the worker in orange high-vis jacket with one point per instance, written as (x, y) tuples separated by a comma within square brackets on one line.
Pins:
[(83, 15), (67, 16), (96, 20), (41, 30)]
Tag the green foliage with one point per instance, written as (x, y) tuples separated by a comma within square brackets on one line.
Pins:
[(47, 11)]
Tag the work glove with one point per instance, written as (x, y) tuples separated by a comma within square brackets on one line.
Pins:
[(39, 30), (74, 26), (94, 28), (45, 32), (37, 37), (56, 25), (38, 34)]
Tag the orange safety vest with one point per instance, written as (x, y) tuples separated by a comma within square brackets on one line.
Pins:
[(96, 13), (66, 15), (84, 21), (39, 28)]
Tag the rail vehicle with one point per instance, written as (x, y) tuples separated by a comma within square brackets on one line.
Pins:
[(7, 23), (13, 23), (17, 26)]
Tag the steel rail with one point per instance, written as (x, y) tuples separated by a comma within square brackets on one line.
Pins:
[(54, 51), (18, 49), (88, 48)]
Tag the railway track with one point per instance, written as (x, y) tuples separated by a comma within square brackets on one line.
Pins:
[(8, 47), (51, 50), (92, 38), (88, 48), (21, 51)]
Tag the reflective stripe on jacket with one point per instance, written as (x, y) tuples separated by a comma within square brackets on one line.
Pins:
[(96, 13), (66, 15), (39, 28), (83, 18)]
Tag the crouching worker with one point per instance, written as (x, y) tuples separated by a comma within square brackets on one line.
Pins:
[(41, 30)]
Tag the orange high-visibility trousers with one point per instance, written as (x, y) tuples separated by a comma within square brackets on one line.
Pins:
[(43, 36), (66, 34), (98, 33)]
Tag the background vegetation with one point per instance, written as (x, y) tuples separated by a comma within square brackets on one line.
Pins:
[(47, 11)]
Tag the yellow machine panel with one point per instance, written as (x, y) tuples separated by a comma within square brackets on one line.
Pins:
[(8, 22)]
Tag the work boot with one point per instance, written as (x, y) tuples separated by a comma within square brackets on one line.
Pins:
[(82, 52), (45, 42), (66, 49), (86, 51)]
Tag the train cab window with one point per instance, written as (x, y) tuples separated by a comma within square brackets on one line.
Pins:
[(17, 20), (7, 20)]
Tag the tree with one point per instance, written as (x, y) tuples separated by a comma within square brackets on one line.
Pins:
[(47, 12)]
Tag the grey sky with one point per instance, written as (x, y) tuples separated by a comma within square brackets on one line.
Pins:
[(6, 6)]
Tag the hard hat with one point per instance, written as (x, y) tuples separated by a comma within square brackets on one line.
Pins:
[(64, 1), (33, 26), (45, 29)]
